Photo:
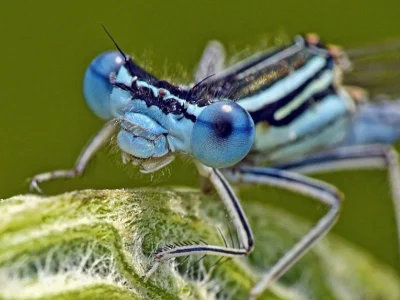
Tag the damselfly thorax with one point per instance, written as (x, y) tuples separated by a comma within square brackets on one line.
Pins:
[(285, 107), (294, 96)]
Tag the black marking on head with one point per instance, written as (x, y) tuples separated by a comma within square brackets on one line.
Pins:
[(167, 106)]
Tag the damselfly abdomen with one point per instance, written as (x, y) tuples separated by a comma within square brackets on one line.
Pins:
[(286, 108)]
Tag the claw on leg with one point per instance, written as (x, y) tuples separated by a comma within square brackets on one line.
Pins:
[(88, 152), (151, 271), (34, 186)]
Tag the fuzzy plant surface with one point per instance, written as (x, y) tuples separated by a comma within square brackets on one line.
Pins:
[(97, 244)]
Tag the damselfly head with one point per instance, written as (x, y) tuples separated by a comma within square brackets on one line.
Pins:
[(159, 119)]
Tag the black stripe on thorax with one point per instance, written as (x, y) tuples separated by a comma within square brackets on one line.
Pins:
[(266, 114)]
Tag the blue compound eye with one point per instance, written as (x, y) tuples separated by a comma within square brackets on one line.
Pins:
[(222, 135), (96, 84)]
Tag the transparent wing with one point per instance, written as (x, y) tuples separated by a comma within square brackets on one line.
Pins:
[(376, 68)]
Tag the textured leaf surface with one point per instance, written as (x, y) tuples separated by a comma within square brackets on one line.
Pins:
[(98, 244)]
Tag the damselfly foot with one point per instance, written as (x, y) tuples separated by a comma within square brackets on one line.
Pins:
[(34, 185)]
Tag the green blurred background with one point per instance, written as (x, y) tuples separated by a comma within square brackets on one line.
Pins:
[(46, 46)]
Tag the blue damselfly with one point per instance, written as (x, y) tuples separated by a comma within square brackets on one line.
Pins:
[(286, 108)]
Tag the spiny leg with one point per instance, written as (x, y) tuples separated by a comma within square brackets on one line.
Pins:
[(211, 62), (235, 211), (355, 157), (94, 145), (318, 190)]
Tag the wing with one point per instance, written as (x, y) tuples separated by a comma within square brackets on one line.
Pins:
[(376, 68), (254, 73), (259, 72), (212, 61)]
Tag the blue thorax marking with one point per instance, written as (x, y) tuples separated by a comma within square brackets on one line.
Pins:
[(323, 126)]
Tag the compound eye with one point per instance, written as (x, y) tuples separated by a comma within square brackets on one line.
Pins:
[(96, 84), (222, 135)]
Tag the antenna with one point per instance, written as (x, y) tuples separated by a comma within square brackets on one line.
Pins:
[(196, 85), (115, 43), (128, 60)]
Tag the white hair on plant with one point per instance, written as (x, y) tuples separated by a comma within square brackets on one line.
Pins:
[(60, 270), (101, 241)]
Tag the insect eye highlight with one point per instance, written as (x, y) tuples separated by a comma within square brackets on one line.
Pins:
[(222, 135)]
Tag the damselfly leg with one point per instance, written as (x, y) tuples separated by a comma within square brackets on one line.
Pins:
[(362, 156), (313, 188), (354, 158), (235, 211), (101, 138)]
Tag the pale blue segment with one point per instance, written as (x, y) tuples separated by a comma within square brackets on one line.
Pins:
[(178, 129), (160, 147), (124, 77), (375, 123), (137, 146), (96, 83), (141, 125), (329, 109), (325, 138), (120, 100), (317, 85), (286, 142), (284, 86), (179, 135), (142, 137)]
